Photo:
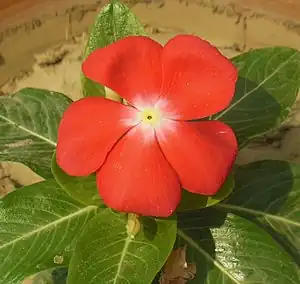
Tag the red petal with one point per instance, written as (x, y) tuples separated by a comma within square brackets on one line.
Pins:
[(198, 80), (202, 153), (137, 178), (131, 67), (88, 130)]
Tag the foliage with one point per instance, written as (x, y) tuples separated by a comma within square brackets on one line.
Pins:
[(248, 233)]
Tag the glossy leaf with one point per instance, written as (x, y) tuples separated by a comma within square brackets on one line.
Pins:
[(106, 253), (115, 21), (28, 127), (191, 201), (228, 249), (83, 189), (268, 84), (270, 191), (39, 224)]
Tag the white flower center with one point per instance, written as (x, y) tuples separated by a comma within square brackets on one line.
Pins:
[(151, 116)]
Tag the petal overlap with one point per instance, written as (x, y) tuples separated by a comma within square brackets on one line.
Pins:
[(144, 152), (131, 67), (202, 153), (88, 130), (137, 178), (198, 81)]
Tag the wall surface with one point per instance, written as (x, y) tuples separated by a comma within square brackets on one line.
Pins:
[(29, 26), (35, 32)]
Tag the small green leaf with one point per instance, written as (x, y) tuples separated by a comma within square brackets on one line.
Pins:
[(190, 201), (83, 189), (229, 249), (91, 88), (39, 225), (29, 121), (270, 191), (114, 22), (267, 88), (105, 253)]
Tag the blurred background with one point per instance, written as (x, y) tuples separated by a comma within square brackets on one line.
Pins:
[(29, 27)]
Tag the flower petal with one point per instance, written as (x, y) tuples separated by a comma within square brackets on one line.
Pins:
[(137, 178), (88, 130), (202, 153), (131, 67), (198, 80)]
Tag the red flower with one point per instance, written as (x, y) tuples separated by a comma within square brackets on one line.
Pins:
[(145, 152)]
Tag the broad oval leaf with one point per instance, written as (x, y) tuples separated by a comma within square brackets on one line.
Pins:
[(83, 189), (106, 253), (28, 127), (191, 201), (270, 191), (268, 84), (115, 21), (39, 224), (229, 249)]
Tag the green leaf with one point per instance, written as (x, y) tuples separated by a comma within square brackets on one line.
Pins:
[(232, 250), (91, 88), (28, 127), (83, 189), (268, 84), (270, 191), (39, 224), (115, 21), (190, 201), (60, 275), (105, 253)]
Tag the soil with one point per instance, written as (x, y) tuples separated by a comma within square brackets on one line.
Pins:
[(41, 45)]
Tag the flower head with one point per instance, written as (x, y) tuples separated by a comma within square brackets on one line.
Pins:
[(143, 153)]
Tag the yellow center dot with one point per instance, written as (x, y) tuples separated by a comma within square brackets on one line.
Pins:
[(151, 116)]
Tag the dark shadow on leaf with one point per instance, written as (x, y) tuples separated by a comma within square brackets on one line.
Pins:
[(60, 275), (264, 190), (203, 218), (253, 111), (262, 186), (196, 225), (149, 227)]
